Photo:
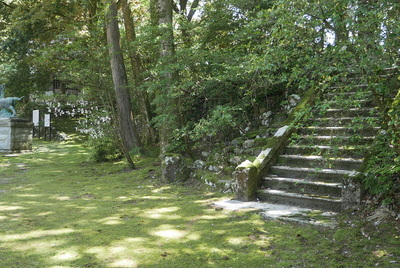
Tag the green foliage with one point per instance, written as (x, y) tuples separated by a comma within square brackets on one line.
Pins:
[(394, 123), (221, 122), (265, 50), (104, 149), (30, 27), (382, 174), (102, 134), (383, 169)]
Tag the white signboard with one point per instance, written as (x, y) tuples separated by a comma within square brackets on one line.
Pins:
[(35, 118), (46, 120)]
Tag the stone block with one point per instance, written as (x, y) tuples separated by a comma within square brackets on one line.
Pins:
[(352, 192), (199, 164), (15, 135), (174, 168), (248, 144), (246, 181)]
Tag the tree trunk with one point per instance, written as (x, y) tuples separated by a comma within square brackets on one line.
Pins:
[(165, 22), (131, 37), (341, 32), (125, 124), (168, 106), (137, 69)]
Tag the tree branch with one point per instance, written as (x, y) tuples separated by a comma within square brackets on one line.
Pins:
[(326, 23), (195, 4), (183, 4), (7, 5), (175, 8)]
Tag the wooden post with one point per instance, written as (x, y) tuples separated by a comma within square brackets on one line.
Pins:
[(35, 121), (47, 126)]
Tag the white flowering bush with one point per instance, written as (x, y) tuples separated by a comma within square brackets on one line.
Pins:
[(94, 121)]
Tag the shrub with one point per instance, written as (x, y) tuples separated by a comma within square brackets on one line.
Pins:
[(382, 174)]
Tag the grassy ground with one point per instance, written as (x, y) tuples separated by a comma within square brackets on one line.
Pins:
[(57, 209)]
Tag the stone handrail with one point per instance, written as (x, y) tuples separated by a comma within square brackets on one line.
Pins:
[(248, 175)]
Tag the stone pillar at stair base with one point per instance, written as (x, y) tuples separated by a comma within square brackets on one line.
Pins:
[(352, 192), (15, 135), (174, 168), (246, 181)]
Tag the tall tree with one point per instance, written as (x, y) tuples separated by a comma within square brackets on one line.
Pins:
[(125, 123), (137, 71), (167, 102)]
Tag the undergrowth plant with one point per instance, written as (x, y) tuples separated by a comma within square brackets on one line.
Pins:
[(382, 173), (102, 135)]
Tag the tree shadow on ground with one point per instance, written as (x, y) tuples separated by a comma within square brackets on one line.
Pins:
[(58, 210)]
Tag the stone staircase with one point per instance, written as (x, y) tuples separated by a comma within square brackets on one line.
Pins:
[(327, 148)]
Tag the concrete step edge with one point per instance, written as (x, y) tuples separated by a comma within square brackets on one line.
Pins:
[(355, 86), (350, 173), (321, 158), (327, 137), (350, 109), (327, 147), (302, 196), (302, 181), (336, 128), (333, 137), (345, 118)]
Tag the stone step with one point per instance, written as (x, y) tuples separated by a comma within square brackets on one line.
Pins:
[(352, 103), (349, 90), (344, 121), (318, 161), (318, 174), (335, 140), (351, 112), (303, 186), (340, 151), (338, 130), (301, 200), (329, 148), (334, 131), (355, 92), (345, 87)]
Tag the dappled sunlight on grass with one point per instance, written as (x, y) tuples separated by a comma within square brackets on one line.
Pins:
[(118, 256), (161, 189), (122, 252), (46, 213), (193, 236), (28, 195), (235, 240), (68, 254), (123, 197), (35, 234), (380, 253), (164, 213), (62, 198), (205, 201), (168, 231), (124, 263), (59, 210), (111, 220), (213, 217), (8, 208), (153, 197), (37, 246)]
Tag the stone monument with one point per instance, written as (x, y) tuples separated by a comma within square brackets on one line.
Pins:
[(15, 133)]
